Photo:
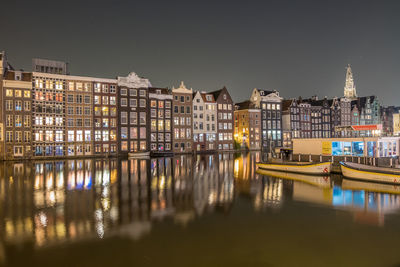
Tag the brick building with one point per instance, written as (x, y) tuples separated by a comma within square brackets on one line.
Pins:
[(133, 108), (225, 121), (182, 119), (17, 90), (105, 117), (78, 115), (247, 127), (160, 114)]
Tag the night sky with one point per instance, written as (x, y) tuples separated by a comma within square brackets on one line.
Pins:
[(296, 47)]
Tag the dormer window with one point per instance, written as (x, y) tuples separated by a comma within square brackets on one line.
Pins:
[(224, 97), (209, 98), (158, 92)]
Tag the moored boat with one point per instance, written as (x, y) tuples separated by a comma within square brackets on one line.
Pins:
[(298, 167), (370, 173)]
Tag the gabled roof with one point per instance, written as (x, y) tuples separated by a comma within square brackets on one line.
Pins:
[(203, 95), (317, 103), (265, 92), (286, 103), (217, 93), (360, 102)]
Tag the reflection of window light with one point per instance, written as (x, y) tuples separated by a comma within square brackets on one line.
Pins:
[(359, 198), (52, 198), (43, 219), (71, 180), (49, 182), (236, 174), (88, 182), (106, 177), (105, 192), (79, 180), (106, 204), (60, 182), (162, 182)]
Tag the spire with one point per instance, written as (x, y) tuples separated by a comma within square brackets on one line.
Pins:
[(349, 88), (182, 85)]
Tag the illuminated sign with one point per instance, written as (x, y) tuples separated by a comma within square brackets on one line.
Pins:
[(326, 148)]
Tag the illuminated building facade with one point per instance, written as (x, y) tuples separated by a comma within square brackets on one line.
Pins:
[(247, 127), (225, 109), (366, 111), (105, 117), (270, 104), (204, 122), (48, 115), (306, 118), (183, 119), (132, 113), (160, 114), (79, 120), (387, 118), (17, 87)]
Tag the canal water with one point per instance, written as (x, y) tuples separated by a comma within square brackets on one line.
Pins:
[(206, 210)]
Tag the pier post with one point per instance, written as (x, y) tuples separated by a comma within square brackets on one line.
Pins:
[(309, 158), (359, 160), (320, 158), (391, 162), (299, 157)]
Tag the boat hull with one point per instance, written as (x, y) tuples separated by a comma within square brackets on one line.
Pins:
[(312, 168), (370, 175)]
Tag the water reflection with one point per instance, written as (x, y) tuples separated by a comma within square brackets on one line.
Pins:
[(50, 202)]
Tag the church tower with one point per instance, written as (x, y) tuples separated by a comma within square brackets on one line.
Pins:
[(349, 88)]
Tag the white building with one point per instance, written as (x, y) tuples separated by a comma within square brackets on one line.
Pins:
[(204, 121)]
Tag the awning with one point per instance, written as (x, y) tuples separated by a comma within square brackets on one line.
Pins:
[(369, 127)]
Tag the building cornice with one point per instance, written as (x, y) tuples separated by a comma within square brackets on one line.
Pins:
[(73, 78), (17, 84)]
